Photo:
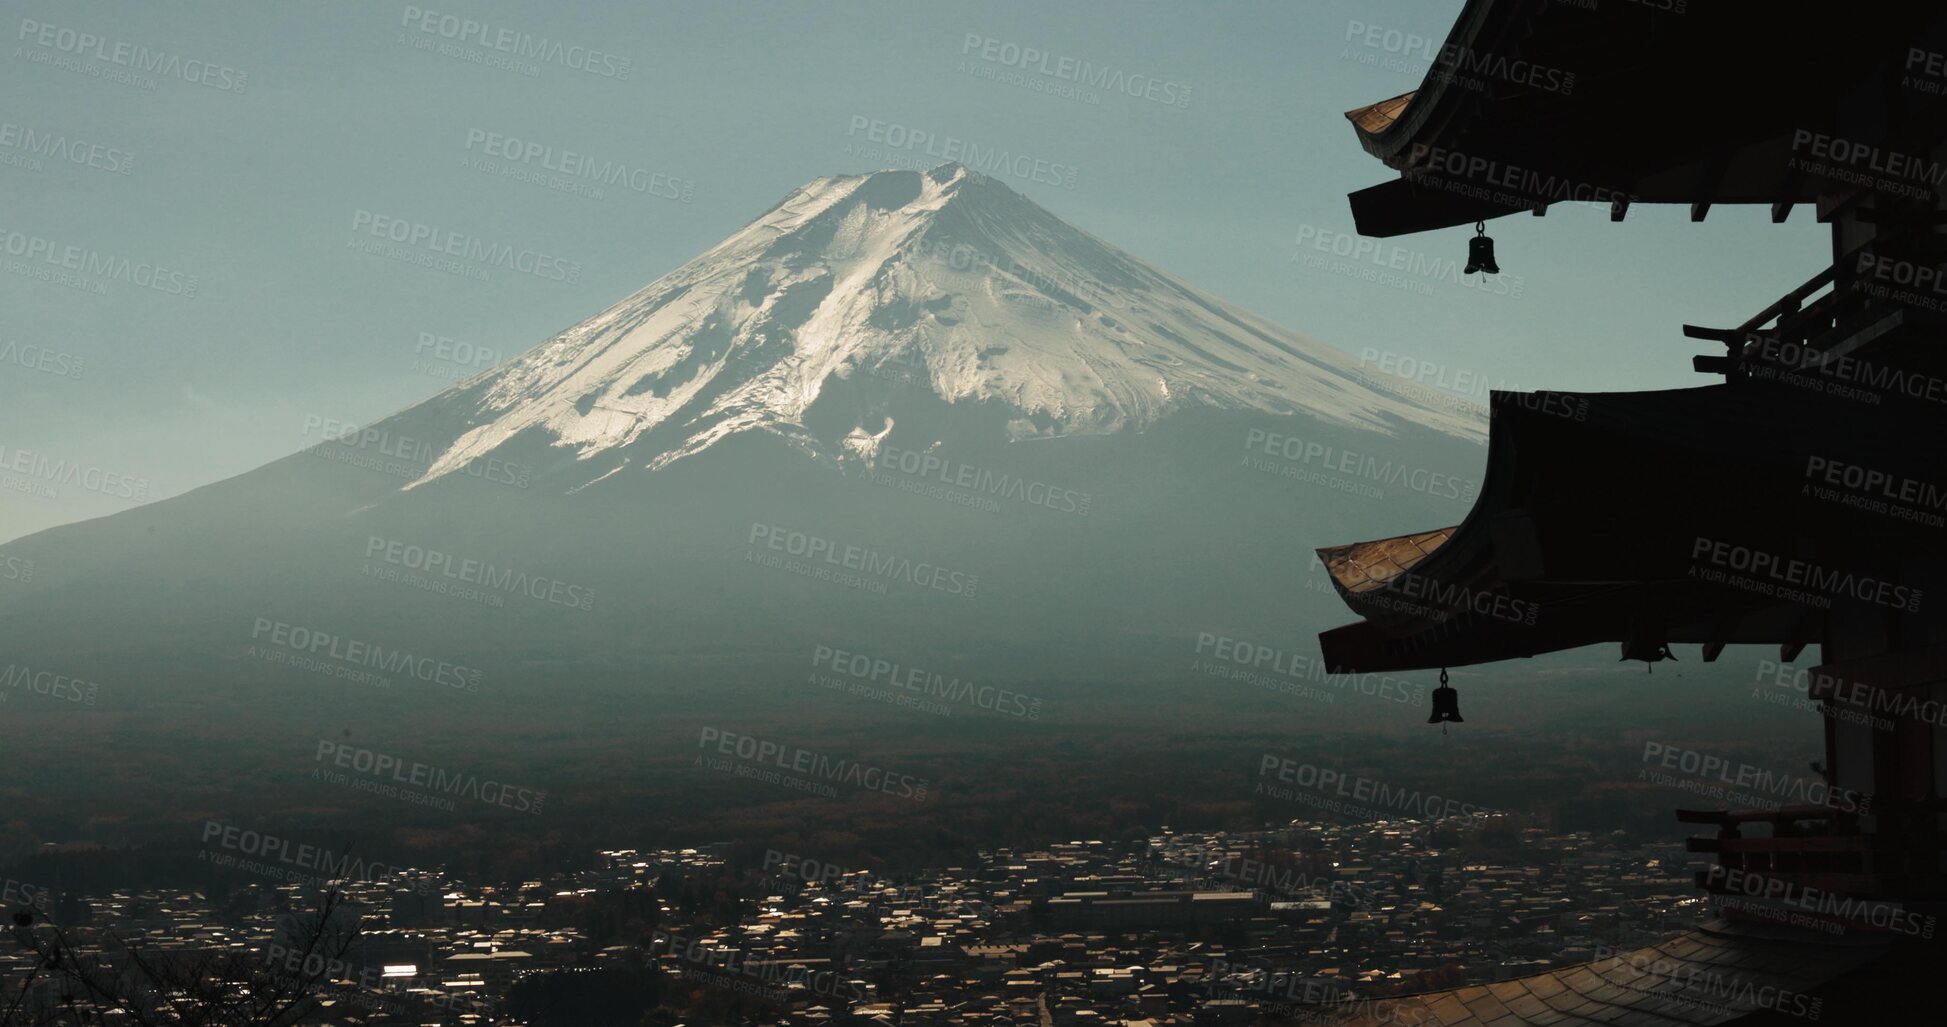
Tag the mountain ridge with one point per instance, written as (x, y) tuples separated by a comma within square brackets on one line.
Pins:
[(922, 365), (945, 279)]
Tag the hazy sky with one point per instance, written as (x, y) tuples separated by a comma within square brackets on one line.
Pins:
[(272, 137)]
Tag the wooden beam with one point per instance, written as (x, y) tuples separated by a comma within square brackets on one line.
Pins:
[(1710, 175), (1750, 816), (1804, 631), (1824, 843), (1727, 336)]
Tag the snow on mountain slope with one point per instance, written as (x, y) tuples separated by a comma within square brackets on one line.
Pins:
[(944, 279)]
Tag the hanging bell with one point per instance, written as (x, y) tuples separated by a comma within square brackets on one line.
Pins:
[(1480, 252), (1649, 643), (1446, 703)]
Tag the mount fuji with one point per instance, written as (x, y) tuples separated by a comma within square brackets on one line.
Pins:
[(947, 278), (907, 414)]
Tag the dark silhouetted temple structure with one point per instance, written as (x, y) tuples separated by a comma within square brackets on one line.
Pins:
[(1798, 499)]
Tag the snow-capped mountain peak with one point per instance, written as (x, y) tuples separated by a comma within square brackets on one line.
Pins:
[(944, 279)]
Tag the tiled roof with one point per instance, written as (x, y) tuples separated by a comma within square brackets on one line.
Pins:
[(1710, 976), (1375, 118), (1362, 566)]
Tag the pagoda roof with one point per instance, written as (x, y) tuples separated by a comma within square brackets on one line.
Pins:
[(1635, 517), (1530, 102)]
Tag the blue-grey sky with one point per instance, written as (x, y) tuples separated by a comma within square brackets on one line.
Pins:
[(250, 145)]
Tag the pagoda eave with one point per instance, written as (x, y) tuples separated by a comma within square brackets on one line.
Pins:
[(1647, 519), (1532, 102)]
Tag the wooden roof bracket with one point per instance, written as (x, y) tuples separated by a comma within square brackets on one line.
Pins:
[(1707, 182)]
